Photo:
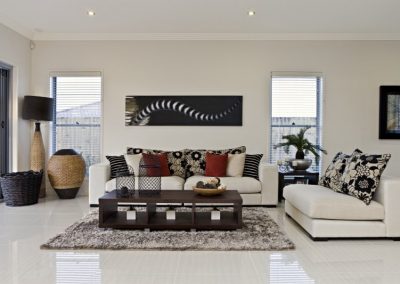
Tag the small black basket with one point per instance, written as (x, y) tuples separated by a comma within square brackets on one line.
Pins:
[(125, 183), (21, 188), (149, 176)]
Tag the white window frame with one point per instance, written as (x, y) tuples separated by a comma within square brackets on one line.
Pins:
[(79, 74), (320, 92)]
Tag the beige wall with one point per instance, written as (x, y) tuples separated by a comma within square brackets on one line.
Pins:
[(15, 51), (353, 72)]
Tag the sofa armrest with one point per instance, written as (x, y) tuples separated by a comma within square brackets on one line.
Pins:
[(269, 183), (388, 194), (99, 174)]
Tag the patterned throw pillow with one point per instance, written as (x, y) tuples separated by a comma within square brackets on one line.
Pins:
[(118, 165), (251, 165), (333, 174), (176, 159), (196, 159), (362, 175)]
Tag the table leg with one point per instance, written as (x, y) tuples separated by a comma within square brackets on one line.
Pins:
[(107, 208), (237, 211), (150, 211), (194, 214)]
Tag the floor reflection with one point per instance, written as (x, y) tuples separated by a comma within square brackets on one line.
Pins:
[(79, 268), (286, 269)]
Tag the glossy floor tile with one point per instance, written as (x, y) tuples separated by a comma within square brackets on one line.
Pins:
[(23, 229)]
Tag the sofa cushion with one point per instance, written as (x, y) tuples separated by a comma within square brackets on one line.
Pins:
[(235, 165), (241, 184), (167, 183), (172, 183), (196, 159), (176, 159), (333, 173), (133, 161), (216, 164), (156, 165), (320, 202), (251, 165), (362, 175), (118, 165)]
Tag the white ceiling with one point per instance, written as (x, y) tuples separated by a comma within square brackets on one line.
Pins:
[(118, 19)]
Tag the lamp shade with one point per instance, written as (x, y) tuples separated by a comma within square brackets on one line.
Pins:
[(38, 108)]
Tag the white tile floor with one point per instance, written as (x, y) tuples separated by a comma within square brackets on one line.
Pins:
[(23, 229)]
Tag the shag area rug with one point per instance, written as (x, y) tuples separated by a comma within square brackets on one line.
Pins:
[(259, 232)]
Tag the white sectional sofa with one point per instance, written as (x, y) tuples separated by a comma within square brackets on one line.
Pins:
[(253, 191), (326, 214)]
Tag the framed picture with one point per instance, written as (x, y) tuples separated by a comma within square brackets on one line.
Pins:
[(389, 112), (183, 110)]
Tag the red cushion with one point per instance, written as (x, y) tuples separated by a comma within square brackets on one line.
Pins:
[(150, 159), (216, 165)]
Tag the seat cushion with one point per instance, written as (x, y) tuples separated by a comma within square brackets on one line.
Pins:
[(320, 202), (241, 184), (172, 183), (167, 183)]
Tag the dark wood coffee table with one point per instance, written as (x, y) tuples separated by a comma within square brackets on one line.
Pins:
[(110, 217)]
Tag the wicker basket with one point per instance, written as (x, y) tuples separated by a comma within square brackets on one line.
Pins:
[(21, 188), (66, 171)]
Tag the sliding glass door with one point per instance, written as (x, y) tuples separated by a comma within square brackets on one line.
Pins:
[(4, 115)]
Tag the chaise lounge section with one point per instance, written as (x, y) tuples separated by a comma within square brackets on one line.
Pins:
[(325, 214)]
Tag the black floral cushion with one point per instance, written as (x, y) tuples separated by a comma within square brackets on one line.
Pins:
[(196, 159), (362, 175), (176, 159), (333, 174)]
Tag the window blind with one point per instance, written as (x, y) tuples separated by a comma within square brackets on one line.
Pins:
[(77, 117), (295, 104)]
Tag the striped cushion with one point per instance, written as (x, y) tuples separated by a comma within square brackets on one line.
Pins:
[(118, 165), (251, 164)]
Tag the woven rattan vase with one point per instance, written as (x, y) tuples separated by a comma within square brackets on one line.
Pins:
[(66, 171)]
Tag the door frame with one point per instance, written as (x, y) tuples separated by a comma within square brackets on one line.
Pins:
[(9, 114)]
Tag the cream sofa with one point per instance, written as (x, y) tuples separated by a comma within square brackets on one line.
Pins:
[(326, 214), (253, 191)]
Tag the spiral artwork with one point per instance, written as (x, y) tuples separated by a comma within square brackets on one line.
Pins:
[(183, 110)]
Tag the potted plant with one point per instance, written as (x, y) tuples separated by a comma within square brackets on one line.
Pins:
[(303, 146)]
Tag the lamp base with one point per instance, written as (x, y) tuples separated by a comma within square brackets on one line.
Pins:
[(37, 156)]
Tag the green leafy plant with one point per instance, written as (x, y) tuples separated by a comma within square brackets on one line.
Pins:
[(302, 144)]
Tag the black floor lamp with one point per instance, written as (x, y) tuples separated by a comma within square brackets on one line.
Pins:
[(38, 109)]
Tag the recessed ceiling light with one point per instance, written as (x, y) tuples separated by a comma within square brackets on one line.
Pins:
[(91, 13), (251, 13)]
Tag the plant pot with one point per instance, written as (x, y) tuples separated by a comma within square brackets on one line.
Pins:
[(66, 171), (300, 164), (300, 155)]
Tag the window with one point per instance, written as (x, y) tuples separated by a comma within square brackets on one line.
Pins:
[(77, 117), (295, 103)]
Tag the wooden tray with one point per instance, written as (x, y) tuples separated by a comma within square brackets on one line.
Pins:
[(208, 191)]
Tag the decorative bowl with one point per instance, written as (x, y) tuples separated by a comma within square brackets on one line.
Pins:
[(208, 191), (300, 164)]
